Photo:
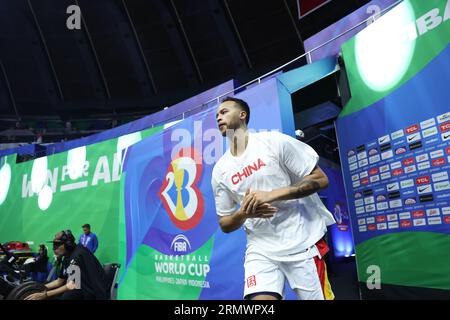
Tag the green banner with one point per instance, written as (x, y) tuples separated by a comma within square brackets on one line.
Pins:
[(384, 56), (65, 191)]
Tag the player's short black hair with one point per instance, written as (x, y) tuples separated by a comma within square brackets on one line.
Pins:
[(86, 225), (242, 104)]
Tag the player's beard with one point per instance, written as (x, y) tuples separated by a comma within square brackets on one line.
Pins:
[(231, 128)]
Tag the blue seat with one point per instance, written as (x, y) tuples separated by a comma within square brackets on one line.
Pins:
[(39, 276), (42, 276)]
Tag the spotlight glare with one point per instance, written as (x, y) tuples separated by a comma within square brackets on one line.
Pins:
[(45, 198), (76, 159), (5, 178), (384, 50), (38, 174)]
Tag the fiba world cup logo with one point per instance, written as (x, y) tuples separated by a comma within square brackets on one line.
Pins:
[(179, 193)]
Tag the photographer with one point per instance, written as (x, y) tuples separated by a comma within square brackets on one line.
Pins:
[(81, 276)]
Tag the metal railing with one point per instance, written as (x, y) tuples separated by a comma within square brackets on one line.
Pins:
[(306, 54)]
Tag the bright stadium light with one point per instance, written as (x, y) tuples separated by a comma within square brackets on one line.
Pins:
[(76, 159), (39, 174), (384, 49), (5, 178), (45, 198)]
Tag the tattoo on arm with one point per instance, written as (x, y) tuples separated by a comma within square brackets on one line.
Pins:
[(306, 187)]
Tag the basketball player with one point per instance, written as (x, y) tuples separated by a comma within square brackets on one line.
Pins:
[(274, 178)]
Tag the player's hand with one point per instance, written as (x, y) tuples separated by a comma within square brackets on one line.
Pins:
[(264, 210), (254, 199), (37, 296), (71, 285)]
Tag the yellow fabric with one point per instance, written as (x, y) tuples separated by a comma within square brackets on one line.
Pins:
[(328, 293)]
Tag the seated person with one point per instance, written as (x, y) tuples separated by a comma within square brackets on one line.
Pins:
[(81, 276), (40, 261), (38, 266)]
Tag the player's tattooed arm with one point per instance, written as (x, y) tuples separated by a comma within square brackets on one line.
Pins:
[(305, 187), (308, 185)]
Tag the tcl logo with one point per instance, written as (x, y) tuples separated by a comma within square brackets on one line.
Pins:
[(445, 127), (365, 181), (447, 150), (438, 162), (408, 162), (397, 172), (447, 219), (423, 180), (373, 171), (371, 227), (418, 214), (381, 218), (405, 224), (412, 129)]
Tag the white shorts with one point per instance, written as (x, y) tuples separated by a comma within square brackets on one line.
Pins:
[(263, 274)]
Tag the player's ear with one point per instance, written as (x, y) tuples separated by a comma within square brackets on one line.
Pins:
[(242, 114)]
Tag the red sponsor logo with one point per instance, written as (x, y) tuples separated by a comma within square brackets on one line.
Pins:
[(418, 214), (251, 281), (373, 171), (408, 162), (447, 219), (381, 218), (423, 180), (412, 129), (405, 223), (247, 171), (447, 150), (365, 181), (397, 172), (438, 162), (371, 227), (445, 127)]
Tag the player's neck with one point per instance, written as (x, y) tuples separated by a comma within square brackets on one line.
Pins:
[(239, 142)]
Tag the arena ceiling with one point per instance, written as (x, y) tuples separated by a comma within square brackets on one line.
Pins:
[(134, 57)]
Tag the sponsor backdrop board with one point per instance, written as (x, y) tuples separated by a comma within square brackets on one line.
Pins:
[(394, 138)]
